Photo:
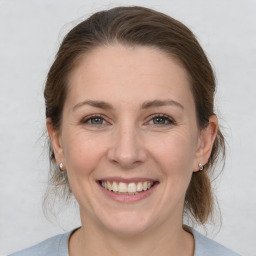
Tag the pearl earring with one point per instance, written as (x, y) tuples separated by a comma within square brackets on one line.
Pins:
[(201, 167), (60, 167)]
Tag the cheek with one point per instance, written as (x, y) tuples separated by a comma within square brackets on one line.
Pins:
[(175, 153), (82, 153), (82, 156), (175, 156)]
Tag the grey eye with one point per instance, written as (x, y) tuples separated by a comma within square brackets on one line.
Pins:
[(96, 120), (160, 120)]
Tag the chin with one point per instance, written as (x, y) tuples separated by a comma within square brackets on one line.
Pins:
[(122, 229), (128, 224)]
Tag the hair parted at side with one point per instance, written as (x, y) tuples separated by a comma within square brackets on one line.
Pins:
[(145, 27)]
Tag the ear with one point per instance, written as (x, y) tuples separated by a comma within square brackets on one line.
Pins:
[(205, 143), (56, 141)]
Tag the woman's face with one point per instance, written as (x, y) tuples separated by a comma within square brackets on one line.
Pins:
[(129, 138)]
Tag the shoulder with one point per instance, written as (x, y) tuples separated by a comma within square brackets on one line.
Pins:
[(54, 246), (207, 247)]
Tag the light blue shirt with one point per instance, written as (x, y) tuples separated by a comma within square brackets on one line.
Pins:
[(58, 246)]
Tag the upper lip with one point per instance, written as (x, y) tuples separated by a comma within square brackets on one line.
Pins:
[(127, 180)]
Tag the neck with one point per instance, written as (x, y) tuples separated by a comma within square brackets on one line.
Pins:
[(162, 242)]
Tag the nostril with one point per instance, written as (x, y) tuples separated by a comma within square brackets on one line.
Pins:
[(127, 157)]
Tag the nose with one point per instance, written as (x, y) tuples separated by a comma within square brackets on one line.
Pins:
[(127, 148)]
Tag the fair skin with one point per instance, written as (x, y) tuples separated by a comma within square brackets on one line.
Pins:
[(129, 117)]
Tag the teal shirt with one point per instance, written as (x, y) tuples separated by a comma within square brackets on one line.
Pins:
[(58, 246)]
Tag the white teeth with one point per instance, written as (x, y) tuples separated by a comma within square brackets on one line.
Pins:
[(130, 188), (123, 187), (145, 185), (109, 187), (139, 186), (104, 184), (114, 187)]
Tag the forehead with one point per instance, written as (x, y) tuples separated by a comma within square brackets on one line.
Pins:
[(117, 72)]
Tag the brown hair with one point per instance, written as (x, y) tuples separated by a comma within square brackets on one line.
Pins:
[(145, 27)]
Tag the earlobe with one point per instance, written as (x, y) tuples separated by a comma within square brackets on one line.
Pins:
[(55, 140), (206, 141)]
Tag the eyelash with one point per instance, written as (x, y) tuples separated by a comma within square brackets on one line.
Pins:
[(88, 120), (165, 118), (92, 117)]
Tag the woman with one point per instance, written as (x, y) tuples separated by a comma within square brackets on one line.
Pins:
[(133, 136)]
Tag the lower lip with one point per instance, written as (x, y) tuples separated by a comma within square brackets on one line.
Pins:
[(125, 198)]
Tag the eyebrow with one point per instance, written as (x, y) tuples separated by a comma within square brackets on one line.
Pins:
[(145, 105), (160, 103), (93, 103)]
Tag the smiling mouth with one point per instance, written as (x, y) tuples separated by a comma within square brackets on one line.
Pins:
[(132, 188)]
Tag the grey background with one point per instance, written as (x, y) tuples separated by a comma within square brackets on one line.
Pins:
[(30, 32)]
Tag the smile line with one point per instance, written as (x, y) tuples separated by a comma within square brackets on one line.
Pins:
[(131, 188)]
